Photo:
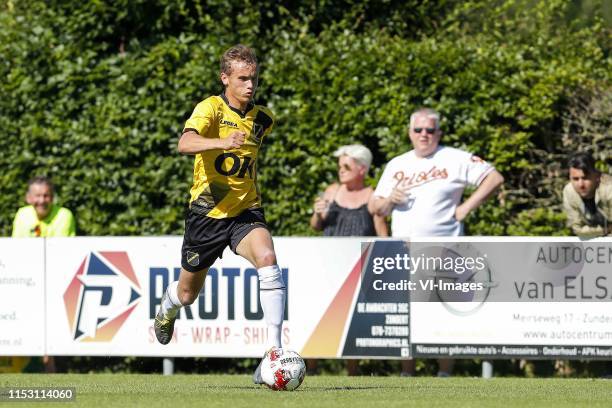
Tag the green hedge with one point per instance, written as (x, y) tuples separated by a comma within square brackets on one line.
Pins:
[(95, 95)]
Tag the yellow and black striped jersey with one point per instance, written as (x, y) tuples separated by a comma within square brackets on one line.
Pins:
[(225, 180)]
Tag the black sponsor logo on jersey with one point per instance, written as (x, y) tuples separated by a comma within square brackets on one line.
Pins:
[(228, 123), (238, 167), (261, 123)]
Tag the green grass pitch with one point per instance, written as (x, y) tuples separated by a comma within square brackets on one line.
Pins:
[(229, 391)]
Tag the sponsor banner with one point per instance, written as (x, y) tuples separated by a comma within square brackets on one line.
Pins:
[(518, 292), (22, 294), (484, 272), (105, 292), (499, 351), (543, 323), (379, 325), (346, 298)]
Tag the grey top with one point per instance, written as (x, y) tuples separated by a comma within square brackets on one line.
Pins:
[(348, 222)]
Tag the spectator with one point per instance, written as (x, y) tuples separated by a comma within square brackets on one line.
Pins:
[(42, 218), (587, 198), (422, 190), (587, 202), (343, 208)]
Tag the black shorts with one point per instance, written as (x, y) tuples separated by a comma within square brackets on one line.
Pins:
[(205, 238)]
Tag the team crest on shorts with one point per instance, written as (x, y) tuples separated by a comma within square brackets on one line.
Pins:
[(193, 259)]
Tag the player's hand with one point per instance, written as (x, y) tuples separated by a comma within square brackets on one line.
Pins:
[(461, 212), (234, 140), (399, 195)]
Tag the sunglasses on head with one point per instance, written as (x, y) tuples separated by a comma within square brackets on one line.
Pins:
[(430, 131)]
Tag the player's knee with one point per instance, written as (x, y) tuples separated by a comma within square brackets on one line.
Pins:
[(187, 297), (265, 258)]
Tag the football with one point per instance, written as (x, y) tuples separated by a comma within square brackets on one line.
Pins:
[(283, 370)]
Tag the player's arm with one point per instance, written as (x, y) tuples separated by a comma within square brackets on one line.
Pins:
[(196, 137), (192, 143), (488, 186)]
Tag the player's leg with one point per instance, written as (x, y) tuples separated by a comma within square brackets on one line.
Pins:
[(178, 294), (204, 241), (257, 248), (252, 240)]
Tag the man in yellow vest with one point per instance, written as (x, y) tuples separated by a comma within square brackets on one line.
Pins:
[(40, 218)]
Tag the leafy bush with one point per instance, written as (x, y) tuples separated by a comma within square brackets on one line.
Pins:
[(97, 94)]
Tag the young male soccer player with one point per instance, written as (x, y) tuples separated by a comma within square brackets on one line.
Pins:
[(225, 133)]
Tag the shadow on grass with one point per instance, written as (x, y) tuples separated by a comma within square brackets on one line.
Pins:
[(310, 388), (351, 388)]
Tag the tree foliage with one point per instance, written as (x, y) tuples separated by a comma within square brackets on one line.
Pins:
[(95, 94)]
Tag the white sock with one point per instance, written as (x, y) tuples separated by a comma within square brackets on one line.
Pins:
[(272, 299), (171, 304)]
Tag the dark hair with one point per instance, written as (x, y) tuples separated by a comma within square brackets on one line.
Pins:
[(583, 161), (41, 180), (238, 52)]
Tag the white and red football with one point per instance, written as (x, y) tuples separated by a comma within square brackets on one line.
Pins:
[(283, 370)]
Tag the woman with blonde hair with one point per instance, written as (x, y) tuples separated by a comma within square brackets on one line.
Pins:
[(342, 210)]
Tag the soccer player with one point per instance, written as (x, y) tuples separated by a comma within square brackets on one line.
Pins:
[(224, 134)]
